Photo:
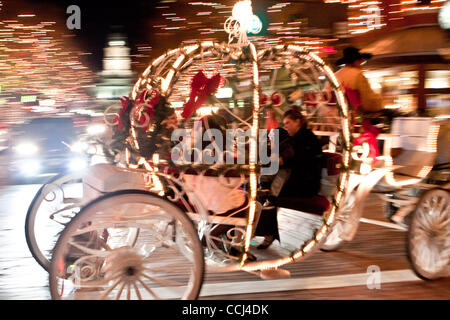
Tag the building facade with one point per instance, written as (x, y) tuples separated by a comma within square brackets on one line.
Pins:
[(116, 79), (410, 47)]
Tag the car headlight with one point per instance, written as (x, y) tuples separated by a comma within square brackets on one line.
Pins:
[(26, 149), (96, 129), (77, 164), (79, 147), (30, 168)]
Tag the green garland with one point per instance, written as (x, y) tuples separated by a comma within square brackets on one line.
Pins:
[(153, 139)]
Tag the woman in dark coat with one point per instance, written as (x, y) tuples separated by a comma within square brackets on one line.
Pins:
[(305, 163)]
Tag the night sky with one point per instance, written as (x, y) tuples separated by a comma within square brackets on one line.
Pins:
[(98, 19), (138, 20), (135, 18)]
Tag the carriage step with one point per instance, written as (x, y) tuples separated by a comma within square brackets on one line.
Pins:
[(272, 274)]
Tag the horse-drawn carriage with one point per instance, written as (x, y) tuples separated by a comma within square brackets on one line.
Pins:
[(144, 225)]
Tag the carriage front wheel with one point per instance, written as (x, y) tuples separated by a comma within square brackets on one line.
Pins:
[(94, 257), (428, 243)]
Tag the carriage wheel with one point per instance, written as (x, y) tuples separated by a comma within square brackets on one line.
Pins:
[(41, 231), (153, 266), (428, 243)]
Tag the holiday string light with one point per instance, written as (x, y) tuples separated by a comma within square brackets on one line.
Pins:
[(241, 22), (36, 57), (414, 6), (368, 15), (253, 153), (184, 19)]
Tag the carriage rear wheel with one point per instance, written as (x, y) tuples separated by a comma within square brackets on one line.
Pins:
[(62, 193), (428, 243), (94, 258)]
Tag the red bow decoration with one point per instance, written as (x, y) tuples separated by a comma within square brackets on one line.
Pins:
[(149, 106), (118, 118), (201, 88), (370, 136), (276, 99)]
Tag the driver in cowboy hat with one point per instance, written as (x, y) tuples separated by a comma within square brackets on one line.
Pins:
[(357, 88)]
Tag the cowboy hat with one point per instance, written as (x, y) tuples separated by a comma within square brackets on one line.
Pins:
[(352, 54)]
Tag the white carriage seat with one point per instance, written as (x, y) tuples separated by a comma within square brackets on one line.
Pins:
[(416, 137), (217, 194), (104, 178)]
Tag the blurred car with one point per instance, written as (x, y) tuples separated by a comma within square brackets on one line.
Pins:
[(45, 146)]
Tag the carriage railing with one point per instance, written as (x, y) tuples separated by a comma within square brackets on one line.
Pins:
[(381, 175), (385, 160)]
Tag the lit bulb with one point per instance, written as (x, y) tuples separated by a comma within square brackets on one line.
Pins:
[(242, 11)]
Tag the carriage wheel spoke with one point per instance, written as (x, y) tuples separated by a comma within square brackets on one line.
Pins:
[(163, 282), (111, 288), (148, 289), (119, 293), (423, 221), (443, 225), (428, 218), (128, 291), (138, 293), (439, 206), (445, 212)]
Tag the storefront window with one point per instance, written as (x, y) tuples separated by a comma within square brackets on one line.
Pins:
[(438, 104), (404, 103), (376, 79), (401, 81), (437, 79), (437, 84), (392, 80), (396, 88), (400, 89)]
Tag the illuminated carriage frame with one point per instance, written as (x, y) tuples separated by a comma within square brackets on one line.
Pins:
[(162, 74)]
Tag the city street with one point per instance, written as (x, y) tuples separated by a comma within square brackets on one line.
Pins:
[(325, 275)]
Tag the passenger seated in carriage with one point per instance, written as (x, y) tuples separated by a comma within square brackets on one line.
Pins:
[(305, 164), (273, 184), (224, 195)]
